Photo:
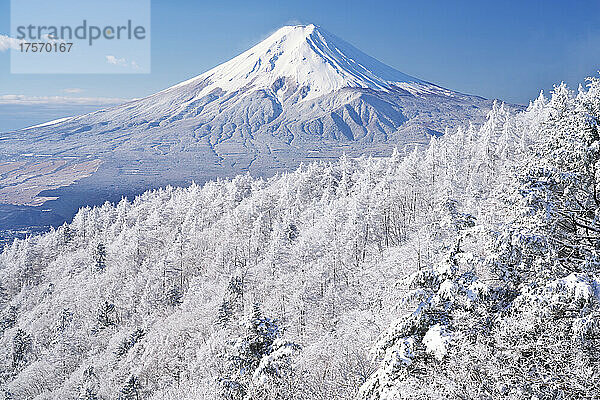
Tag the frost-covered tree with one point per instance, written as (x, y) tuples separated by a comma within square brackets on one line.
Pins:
[(89, 385), (129, 342), (107, 315), (100, 257), (412, 346), (258, 361), (132, 390), (67, 234), (233, 301), (561, 186), (528, 329), (4, 296), (22, 349), (8, 318)]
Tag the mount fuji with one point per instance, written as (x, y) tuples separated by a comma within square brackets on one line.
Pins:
[(301, 94)]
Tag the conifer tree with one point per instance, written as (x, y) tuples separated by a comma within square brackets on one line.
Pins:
[(8, 318), (22, 348), (256, 355), (100, 257), (132, 390), (89, 385), (107, 315)]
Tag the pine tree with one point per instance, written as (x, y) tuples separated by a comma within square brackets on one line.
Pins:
[(100, 257), (560, 182), (67, 234), (89, 385), (135, 337), (233, 301), (174, 296), (131, 390), (257, 355), (236, 287), (4, 297), (22, 348), (88, 394), (107, 315), (224, 313)]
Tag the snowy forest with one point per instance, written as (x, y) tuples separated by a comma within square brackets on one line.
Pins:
[(468, 269)]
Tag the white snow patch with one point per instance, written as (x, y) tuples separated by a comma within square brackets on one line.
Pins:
[(436, 341), (579, 286), (53, 122), (447, 289), (477, 289)]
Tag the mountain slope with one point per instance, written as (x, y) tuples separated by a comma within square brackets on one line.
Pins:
[(300, 94)]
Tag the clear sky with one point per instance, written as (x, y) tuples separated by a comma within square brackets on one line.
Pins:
[(497, 49)]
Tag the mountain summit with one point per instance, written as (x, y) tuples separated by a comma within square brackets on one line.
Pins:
[(299, 95), (304, 60)]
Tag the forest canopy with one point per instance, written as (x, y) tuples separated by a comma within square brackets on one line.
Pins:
[(464, 270)]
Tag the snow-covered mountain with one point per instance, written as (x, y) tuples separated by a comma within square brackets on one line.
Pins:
[(299, 95)]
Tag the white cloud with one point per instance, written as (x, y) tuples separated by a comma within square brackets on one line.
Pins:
[(121, 62), (73, 90), (7, 42), (20, 99), (116, 61)]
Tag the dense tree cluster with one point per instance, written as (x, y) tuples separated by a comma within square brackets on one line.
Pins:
[(511, 309), (466, 270)]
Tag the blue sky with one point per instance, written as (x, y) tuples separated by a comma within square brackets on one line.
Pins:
[(497, 49)]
